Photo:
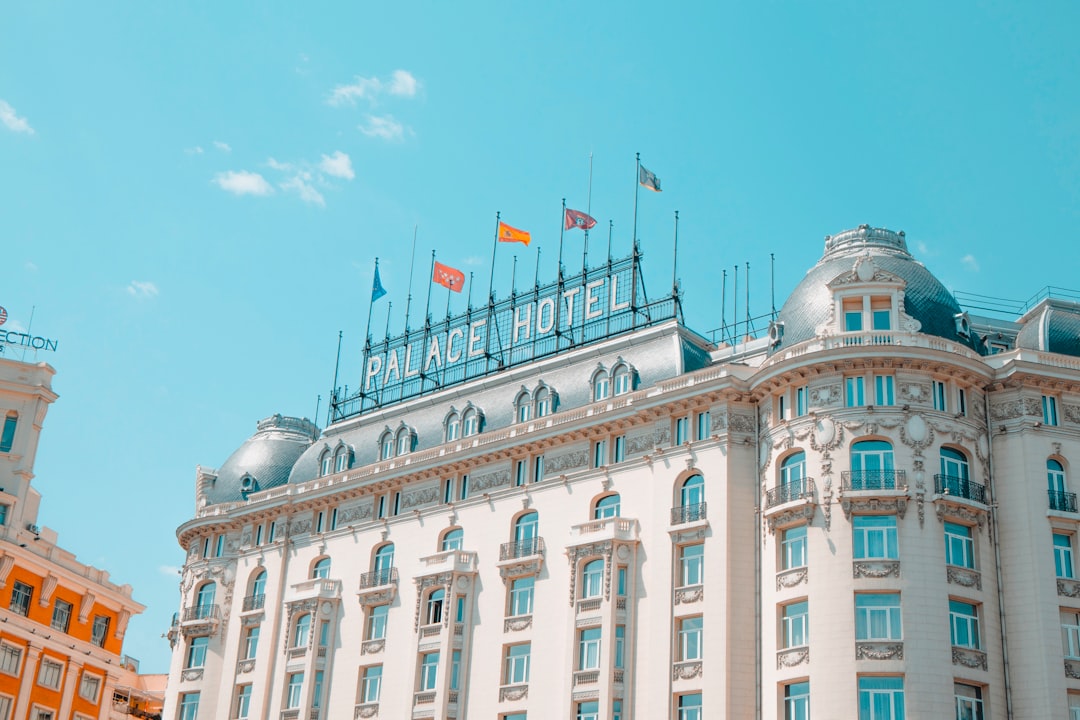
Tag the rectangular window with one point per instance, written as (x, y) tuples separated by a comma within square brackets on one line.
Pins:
[(99, 630), (800, 401), (588, 710), (316, 690), (376, 622), (9, 659), (941, 400), (455, 669), (616, 710), (342, 462), (258, 535), (961, 401), (704, 425), (196, 655), (333, 519), (521, 596), (797, 701), (1063, 556), (189, 707), (875, 537), (690, 707), (589, 649), (883, 390), (781, 407), (682, 430), (795, 625), (881, 698), (61, 617), (599, 453), (3, 521), (397, 503), (620, 585), (21, 593), (882, 320), (89, 686), (371, 684), (271, 532), (219, 549), (294, 690), (7, 438), (877, 616), (521, 473), (853, 320), (206, 547), (517, 664), (5, 707), (243, 702), (49, 674), (690, 638), (448, 491), (382, 506), (855, 392), (1049, 406), (964, 624), (691, 563), (619, 452), (251, 642), (969, 703), (42, 714), (319, 519), (429, 671), (793, 547), (538, 468), (1070, 634), (620, 646), (960, 546)]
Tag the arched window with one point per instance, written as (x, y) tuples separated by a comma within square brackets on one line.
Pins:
[(386, 445), (384, 563), (592, 579), (258, 585), (302, 630), (606, 507), (872, 466), (542, 401), (204, 598), (324, 463), (622, 379), (525, 533), (453, 539), (601, 385), (404, 441), (1055, 476), (453, 426), (341, 459), (692, 492), (470, 422), (434, 608), (321, 569), (523, 406), (793, 470)]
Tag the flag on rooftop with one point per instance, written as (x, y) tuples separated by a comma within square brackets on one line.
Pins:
[(448, 277), (377, 290), (508, 233), (648, 179), (578, 219)]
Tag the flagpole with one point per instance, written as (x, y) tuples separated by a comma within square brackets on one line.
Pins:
[(337, 366), (371, 302), (513, 279), (723, 308), (772, 283), (427, 306), (748, 300), (675, 263), (468, 305), (562, 229), (588, 211), (536, 275), (491, 293), (412, 263), (637, 184), (634, 246), (735, 309), (610, 230)]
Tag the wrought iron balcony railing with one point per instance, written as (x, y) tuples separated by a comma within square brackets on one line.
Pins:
[(521, 548), (1063, 501), (873, 479), (201, 612), (687, 513), (254, 602), (376, 578), (959, 487), (786, 492)]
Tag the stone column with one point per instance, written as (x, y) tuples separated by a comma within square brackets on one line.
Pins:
[(109, 685), (71, 684), (28, 676)]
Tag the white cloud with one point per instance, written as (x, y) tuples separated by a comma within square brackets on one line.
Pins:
[(475, 260), (403, 83), (361, 88), (242, 182), (301, 184), (284, 167), (13, 121), (222, 146), (197, 150), (383, 126), (30, 266), (337, 165), (970, 262), (142, 289)]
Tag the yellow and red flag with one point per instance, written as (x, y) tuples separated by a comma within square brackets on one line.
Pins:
[(508, 233), (448, 277)]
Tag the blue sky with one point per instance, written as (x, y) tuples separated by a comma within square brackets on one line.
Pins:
[(192, 195)]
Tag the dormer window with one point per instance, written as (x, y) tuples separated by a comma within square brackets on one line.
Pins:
[(543, 402), (523, 406), (404, 442), (386, 445), (324, 465), (342, 461), (623, 379), (470, 422), (601, 385), (453, 428), (396, 443)]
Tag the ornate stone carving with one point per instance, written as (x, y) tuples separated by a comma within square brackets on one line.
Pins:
[(370, 647), (1068, 588), (367, 710), (897, 504), (963, 576), (913, 392), (800, 513), (572, 460), (517, 624), (944, 507), (663, 435), (791, 578), (640, 443), (742, 423), (246, 665), (916, 433), (823, 396), (421, 496), (1072, 669), (48, 585), (300, 526), (718, 420), (245, 539), (691, 594), (578, 552), (513, 693), (489, 480), (1012, 409), (529, 566), (879, 651), (686, 670), (191, 674), (353, 513), (875, 568), (969, 658), (792, 657)]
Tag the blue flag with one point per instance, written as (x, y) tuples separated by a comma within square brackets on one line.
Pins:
[(377, 290)]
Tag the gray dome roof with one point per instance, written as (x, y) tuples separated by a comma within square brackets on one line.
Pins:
[(1054, 326), (810, 305), (266, 458)]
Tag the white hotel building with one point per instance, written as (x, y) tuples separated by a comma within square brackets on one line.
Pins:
[(870, 513)]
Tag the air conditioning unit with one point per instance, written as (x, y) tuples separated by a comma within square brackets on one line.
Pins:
[(33, 528)]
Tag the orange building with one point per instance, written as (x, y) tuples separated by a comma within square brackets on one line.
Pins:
[(62, 623)]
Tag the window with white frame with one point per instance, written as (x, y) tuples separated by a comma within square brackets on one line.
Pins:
[(543, 401), (523, 406), (793, 547), (801, 400), (470, 422), (620, 647), (405, 441), (795, 624), (854, 391), (592, 578), (1070, 634), (964, 624), (321, 569), (703, 425), (386, 445), (881, 698), (434, 607), (797, 701), (6, 703), (40, 713), (243, 702), (371, 684), (99, 630), (49, 673), (600, 453), (341, 462), (376, 622), (1063, 556), (689, 707), (538, 468), (682, 430), (587, 710), (690, 638), (189, 706), (691, 564), (250, 642), (959, 545), (7, 437), (325, 463), (196, 654), (1049, 408), (453, 427), (607, 507), (294, 690), (521, 596), (61, 617), (883, 390), (601, 385), (874, 537), (453, 539), (877, 616), (21, 594), (589, 649), (516, 665), (969, 702), (961, 401), (89, 687), (782, 409), (301, 631), (429, 671), (618, 452), (872, 465), (941, 396), (10, 656), (622, 379)]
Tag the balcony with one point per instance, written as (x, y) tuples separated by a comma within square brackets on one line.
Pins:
[(618, 529), (874, 480), (199, 620), (254, 602), (874, 491), (959, 487), (586, 677), (456, 561), (523, 557), (790, 503), (790, 492), (378, 587), (1062, 501), (688, 513), (316, 589)]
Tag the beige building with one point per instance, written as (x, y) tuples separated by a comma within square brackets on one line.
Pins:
[(581, 509)]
